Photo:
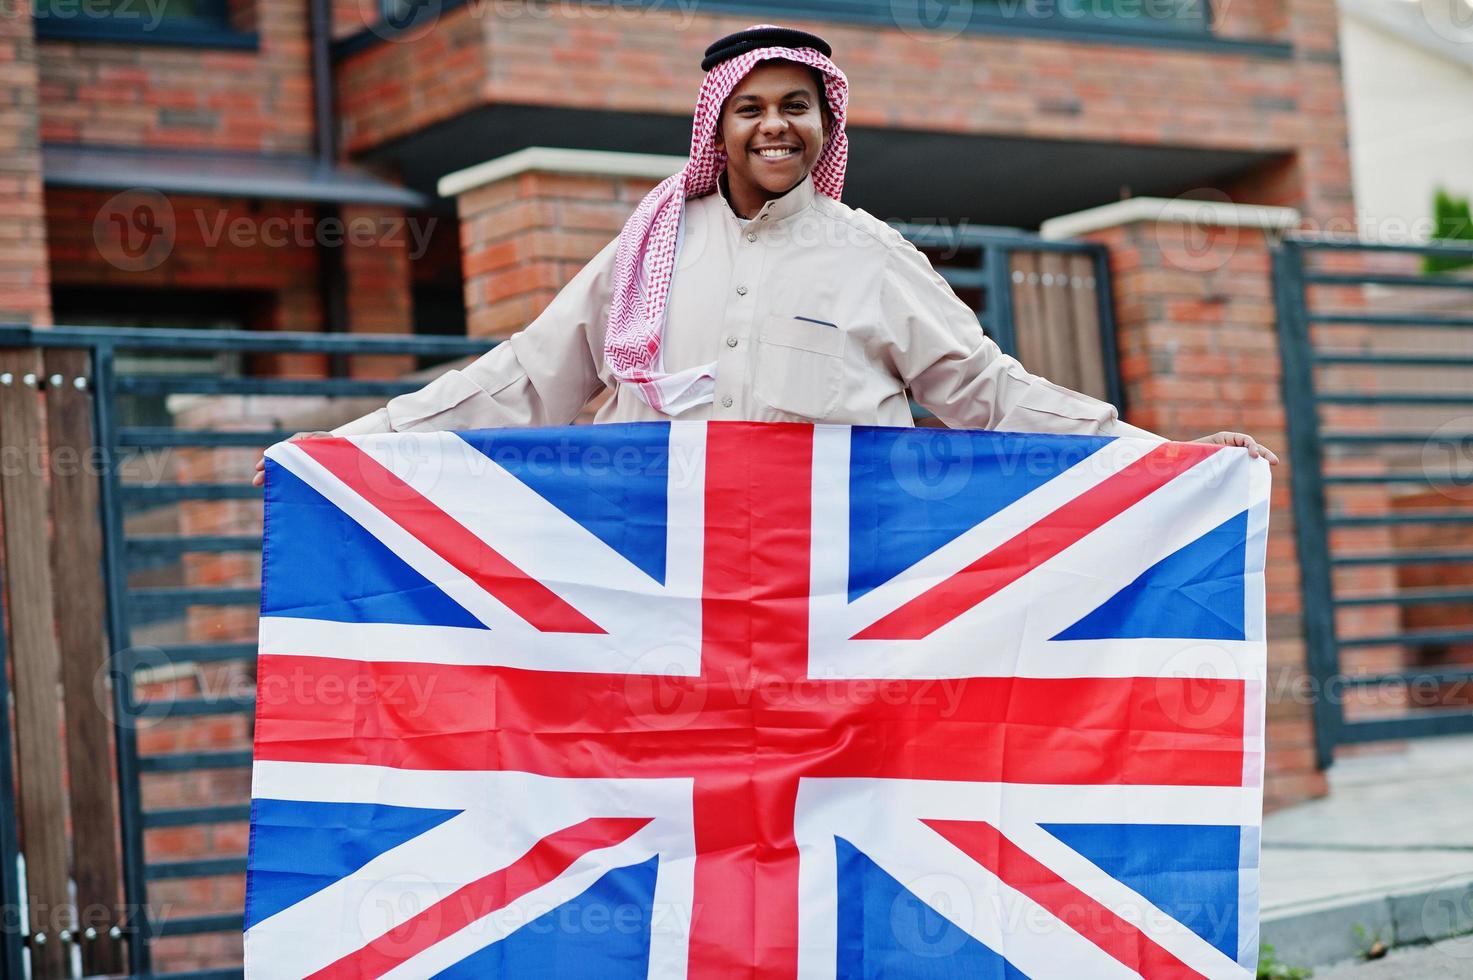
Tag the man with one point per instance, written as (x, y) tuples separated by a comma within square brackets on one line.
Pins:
[(742, 289)]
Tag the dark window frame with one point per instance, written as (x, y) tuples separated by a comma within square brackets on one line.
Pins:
[(209, 28)]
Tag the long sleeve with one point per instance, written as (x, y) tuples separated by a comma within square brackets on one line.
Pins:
[(543, 375), (957, 372)]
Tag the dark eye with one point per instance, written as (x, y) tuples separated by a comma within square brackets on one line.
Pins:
[(798, 106)]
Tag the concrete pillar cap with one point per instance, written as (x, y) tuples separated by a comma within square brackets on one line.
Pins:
[(1178, 210), (546, 159)]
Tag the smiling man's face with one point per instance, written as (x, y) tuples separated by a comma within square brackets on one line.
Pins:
[(772, 129)]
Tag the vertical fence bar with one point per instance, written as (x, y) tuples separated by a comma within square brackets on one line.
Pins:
[(37, 664), (1000, 297), (1109, 342), (76, 563), (125, 739), (1308, 489)]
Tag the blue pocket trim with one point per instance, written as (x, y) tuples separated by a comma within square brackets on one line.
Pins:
[(821, 323)]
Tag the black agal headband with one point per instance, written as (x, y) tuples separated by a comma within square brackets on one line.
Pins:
[(761, 37)]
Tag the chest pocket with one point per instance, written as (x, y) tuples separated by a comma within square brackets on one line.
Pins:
[(800, 366)]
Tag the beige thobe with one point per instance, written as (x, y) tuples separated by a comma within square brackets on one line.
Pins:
[(812, 311)]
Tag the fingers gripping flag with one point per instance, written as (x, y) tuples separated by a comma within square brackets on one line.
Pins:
[(761, 700)]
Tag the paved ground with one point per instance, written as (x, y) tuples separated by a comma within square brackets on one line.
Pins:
[(1451, 959), (1390, 850)]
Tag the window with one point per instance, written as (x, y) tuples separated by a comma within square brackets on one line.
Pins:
[(205, 23)]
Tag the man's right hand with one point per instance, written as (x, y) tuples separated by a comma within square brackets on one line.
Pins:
[(259, 479)]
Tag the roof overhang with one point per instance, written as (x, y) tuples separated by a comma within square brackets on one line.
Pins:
[(270, 176)]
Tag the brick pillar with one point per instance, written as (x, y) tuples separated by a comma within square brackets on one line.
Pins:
[(25, 291), (378, 243), (531, 220), (1199, 352)]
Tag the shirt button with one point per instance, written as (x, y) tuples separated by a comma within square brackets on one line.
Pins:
[(731, 341), (764, 217), (726, 402), (751, 237), (741, 290)]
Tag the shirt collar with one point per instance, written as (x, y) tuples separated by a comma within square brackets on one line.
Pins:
[(778, 208)]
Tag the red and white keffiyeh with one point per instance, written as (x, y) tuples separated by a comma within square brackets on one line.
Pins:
[(649, 243)]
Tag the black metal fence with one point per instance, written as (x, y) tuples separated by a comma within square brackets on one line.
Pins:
[(1378, 384)]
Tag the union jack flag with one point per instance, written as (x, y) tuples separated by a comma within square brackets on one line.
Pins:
[(738, 699)]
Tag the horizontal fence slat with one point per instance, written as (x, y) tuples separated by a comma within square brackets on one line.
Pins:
[(1396, 398), (1407, 677), (1418, 638), (143, 384), (1391, 438), (181, 598), (1370, 479), (172, 546), (1386, 279), (1395, 360), (198, 924), (201, 868), (192, 707), (168, 493), (1404, 558), (148, 437), (1408, 597), (186, 761), (196, 815), (1437, 247), (963, 278), (1407, 726), (258, 341), (1393, 320), (204, 653), (1412, 517)]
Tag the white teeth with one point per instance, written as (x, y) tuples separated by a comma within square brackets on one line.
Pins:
[(774, 154)]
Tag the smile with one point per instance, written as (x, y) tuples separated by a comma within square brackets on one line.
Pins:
[(777, 153)]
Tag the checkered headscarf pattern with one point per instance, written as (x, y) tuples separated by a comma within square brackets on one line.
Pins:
[(645, 262)]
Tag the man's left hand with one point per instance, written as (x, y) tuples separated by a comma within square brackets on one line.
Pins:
[(1241, 439)]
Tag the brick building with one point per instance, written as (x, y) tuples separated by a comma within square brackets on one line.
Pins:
[(277, 165)]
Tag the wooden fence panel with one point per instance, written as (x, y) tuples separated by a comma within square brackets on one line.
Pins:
[(1056, 319), (36, 663), (76, 562)]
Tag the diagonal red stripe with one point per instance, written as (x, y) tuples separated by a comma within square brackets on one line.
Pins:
[(1020, 554), (985, 844), (547, 859), (447, 537)]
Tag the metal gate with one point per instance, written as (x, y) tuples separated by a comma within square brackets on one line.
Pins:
[(1378, 386), (160, 541)]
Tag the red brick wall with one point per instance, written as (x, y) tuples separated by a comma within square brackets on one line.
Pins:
[(150, 95), (523, 238), (24, 289), (238, 244), (402, 86), (648, 61)]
